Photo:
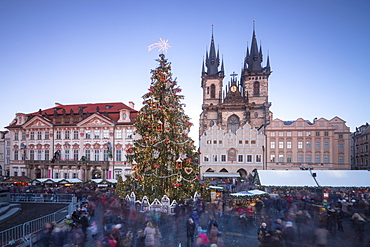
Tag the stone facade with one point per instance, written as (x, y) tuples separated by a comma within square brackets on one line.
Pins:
[(227, 154), (322, 144), (72, 141), (361, 151), (231, 141)]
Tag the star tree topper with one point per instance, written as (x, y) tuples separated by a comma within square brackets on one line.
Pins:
[(163, 45)]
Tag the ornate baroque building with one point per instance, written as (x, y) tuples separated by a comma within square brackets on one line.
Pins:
[(321, 144), (231, 119), (72, 141)]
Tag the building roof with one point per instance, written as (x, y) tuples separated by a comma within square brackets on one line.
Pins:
[(111, 111), (314, 178)]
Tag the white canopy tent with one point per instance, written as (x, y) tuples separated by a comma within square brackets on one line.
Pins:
[(249, 193), (343, 178), (288, 178), (314, 178), (58, 180)]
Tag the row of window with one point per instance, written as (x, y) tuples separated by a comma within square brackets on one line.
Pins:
[(240, 158), (308, 145), (240, 142), (56, 175), (37, 155), (308, 158), (300, 133), (96, 134)]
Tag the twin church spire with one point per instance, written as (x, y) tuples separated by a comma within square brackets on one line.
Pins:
[(252, 61)]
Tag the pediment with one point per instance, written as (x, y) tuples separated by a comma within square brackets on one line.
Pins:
[(95, 120), (37, 122)]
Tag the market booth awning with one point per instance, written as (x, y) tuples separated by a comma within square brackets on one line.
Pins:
[(221, 175), (101, 181), (58, 180), (314, 178), (250, 193), (343, 178), (287, 178)]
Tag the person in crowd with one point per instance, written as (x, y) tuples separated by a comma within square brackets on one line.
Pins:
[(157, 237), (202, 240), (359, 227), (190, 231), (262, 234), (277, 238), (115, 233), (78, 237), (45, 235), (214, 234), (149, 233), (288, 234), (140, 238), (93, 229), (321, 234), (108, 241), (57, 236), (84, 223)]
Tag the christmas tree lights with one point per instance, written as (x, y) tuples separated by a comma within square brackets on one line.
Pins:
[(163, 158)]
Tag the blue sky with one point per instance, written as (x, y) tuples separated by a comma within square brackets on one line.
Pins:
[(88, 51)]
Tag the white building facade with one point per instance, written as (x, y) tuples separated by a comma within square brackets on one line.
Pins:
[(72, 141)]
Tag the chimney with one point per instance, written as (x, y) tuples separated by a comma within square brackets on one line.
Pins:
[(131, 104)]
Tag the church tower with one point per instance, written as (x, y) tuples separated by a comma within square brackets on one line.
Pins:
[(212, 79), (242, 102), (254, 80)]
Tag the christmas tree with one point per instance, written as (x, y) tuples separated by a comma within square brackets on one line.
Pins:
[(163, 159)]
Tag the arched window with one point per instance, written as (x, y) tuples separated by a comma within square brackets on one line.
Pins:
[(256, 114), (256, 88), (233, 123), (211, 123), (213, 91)]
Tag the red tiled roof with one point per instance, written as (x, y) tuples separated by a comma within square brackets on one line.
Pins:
[(110, 110)]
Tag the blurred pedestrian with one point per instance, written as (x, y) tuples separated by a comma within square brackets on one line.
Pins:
[(288, 234), (149, 233), (321, 236), (262, 235), (190, 231)]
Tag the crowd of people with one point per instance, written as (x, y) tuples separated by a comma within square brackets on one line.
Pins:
[(280, 220)]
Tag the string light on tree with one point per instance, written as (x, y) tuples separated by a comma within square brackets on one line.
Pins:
[(163, 155)]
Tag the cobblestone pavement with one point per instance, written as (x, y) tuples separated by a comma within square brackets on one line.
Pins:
[(235, 233)]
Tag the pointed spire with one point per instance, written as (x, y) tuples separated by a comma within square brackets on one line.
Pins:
[(213, 60), (254, 58), (222, 67)]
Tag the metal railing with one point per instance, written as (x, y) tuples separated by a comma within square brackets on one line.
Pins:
[(41, 197), (23, 233)]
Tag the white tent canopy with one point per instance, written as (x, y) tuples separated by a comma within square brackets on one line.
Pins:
[(249, 193), (58, 180), (288, 178), (314, 178), (343, 178)]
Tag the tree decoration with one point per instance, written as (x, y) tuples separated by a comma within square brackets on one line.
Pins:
[(163, 144)]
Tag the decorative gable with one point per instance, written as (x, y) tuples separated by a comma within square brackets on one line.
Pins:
[(95, 120), (37, 122)]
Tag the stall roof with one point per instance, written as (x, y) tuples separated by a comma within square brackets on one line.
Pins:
[(343, 178), (58, 180), (288, 178), (220, 175), (324, 178), (250, 193)]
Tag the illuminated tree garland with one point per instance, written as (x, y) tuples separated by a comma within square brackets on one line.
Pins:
[(163, 157)]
